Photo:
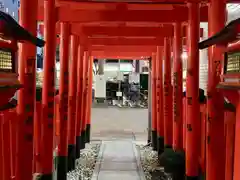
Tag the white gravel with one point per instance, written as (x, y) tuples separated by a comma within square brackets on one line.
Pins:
[(150, 165), (86, 163)]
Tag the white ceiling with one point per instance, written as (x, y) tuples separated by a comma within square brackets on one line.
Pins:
[(233, 11)]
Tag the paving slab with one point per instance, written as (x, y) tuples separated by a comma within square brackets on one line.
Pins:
[(118, 151), (116, 175), (118, 160), (118, 166)]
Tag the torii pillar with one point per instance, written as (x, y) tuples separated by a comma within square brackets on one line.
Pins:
[(48, 91), (215, 143), (79, 98), (26, 96), (193, 108), (72, 103), (63, 102), (177, 91), (154, 103)]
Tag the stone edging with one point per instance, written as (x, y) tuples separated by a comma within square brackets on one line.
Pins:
[(98, 162), (138, 160)]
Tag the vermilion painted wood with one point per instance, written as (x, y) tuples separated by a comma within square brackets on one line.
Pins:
[(203, 116), (215, 145), (165, 30), (236, 174), (134, 54), (5, 143), (177, 89), (230, 122), (154, 2), (26, 95), (63, 88), (1, 149), (120, 32), (193, 108), (90, 80), (126, 41), (101, 5), (235, 46), (72, 91), (233, 97), (159, 92), (119, 49), (79, 90), (56, 117), (123, 31), (85, 90), (13, 134), (154, 92), (184, 122), (105, 14), (178, 14), (8, 153), (168, 94), (37, 138), (157, 65), (48, 90)]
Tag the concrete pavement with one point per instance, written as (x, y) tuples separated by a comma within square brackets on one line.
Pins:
[(116, 123)]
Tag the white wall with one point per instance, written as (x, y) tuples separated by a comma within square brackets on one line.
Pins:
[(115, 67), (203, 61)]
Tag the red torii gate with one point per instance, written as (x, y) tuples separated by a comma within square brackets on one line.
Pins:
[(95, 14), (143, 40), (118, 51), (64, 27), (123, 30), (124, 48), (177, 14)]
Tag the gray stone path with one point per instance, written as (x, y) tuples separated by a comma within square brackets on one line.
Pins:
[(118, 160)]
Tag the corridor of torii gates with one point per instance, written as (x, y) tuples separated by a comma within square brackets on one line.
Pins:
[(201, 136)]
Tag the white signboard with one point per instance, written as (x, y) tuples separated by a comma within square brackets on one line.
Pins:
[(10, 7), (119, 94), (100, 86)]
